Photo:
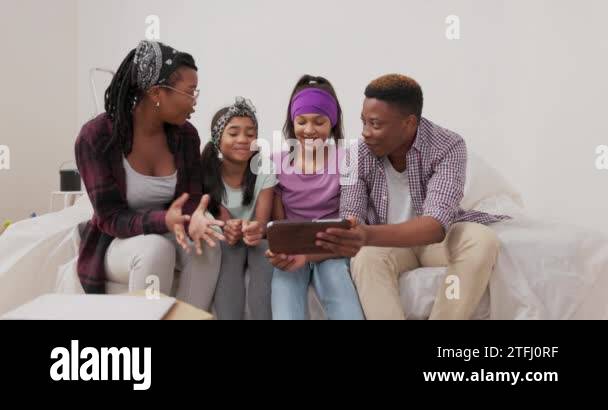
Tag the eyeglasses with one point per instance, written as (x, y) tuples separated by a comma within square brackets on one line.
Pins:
[(193, 96)]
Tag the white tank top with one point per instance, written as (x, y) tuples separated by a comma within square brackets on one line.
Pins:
[(146, 193)]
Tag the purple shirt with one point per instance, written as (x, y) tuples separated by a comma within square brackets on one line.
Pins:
[(311, 196), (436, 166)]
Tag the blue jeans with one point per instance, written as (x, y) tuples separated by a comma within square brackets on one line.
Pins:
[(331, 279)]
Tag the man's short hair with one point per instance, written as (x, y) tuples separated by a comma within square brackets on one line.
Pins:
[(399, 90)]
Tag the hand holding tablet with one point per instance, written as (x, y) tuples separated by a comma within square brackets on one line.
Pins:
[(300, 238)]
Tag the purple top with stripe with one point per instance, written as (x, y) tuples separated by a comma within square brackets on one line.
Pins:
[(308, 197)]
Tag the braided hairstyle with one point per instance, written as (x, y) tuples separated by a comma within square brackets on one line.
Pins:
[(123, 94)]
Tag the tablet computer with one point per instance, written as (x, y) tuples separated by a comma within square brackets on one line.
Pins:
[(298, 238)]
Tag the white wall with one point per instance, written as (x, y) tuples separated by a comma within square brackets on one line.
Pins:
[(38, 116), (525, 85)]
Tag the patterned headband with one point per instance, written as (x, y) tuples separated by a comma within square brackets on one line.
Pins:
[(154, 63), (241, 108)]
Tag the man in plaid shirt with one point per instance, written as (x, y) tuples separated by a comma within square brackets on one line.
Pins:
[(403, 198)]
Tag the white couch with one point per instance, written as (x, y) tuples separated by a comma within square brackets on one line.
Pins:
[(544, 271)]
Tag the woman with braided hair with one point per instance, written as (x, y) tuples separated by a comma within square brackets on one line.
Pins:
[(141, 169)]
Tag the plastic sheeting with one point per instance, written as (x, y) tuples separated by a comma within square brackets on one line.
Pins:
[(544, 270), (33, 251)]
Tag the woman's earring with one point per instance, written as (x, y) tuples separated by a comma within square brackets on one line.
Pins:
[(158, 104), (220, 155)]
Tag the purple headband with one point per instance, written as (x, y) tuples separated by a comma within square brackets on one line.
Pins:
[(315, 101)]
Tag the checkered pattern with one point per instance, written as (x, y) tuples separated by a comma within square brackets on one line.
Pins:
[(104, 178), (436, 167)]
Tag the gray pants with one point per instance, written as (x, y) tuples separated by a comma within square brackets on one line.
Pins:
[(230, 294), (139, 259)]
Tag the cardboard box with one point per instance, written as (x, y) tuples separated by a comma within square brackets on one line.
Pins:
[(180, 310)]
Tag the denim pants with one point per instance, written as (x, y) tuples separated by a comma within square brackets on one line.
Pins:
[(331, 279)]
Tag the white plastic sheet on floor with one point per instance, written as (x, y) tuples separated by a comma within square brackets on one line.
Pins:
[(544, 270)]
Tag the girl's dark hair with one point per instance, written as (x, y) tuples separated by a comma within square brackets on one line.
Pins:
[(122, 93), (309, 81), (211, 166)]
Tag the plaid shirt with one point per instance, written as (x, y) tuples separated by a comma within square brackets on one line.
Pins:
[(103, 174), (436, 166)]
